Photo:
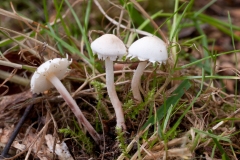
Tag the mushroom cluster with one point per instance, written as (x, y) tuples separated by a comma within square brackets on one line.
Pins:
[(108, 47)]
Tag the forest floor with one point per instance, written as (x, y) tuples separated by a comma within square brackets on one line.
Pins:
[(191, 104)]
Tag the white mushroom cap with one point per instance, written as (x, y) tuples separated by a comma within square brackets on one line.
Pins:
[(108, 46), (56, 66), (149, 48)]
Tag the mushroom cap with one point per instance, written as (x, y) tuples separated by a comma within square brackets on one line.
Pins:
[(108, 46), (56, 66), (149, 48)]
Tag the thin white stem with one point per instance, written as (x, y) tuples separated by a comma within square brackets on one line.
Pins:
[(74, 107), (117, 105), (137, 80)]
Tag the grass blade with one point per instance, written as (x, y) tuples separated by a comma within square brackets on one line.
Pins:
[(177, 94)]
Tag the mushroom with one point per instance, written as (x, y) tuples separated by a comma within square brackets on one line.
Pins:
[(48, 75), (109, 47), (149, 48)]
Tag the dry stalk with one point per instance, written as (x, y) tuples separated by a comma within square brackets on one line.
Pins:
[(37, 136), (30, 38), (120, 25), (44, 132), (135, 140), (183, 153), (99, 116), (98, 76), (134, 157), (151, 20), (224, 121), (12, 77), (29, 148), (173, 143)]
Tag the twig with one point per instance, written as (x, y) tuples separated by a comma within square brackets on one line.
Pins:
[(224, 121), (151, 20), (120, 25), (30, 38), (130, 145)]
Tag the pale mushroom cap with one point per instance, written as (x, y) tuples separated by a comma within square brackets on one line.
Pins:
[(149, 48), (56, 66), (108, 45)]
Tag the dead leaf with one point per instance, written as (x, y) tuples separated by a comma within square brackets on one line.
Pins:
[(32, 142), (61, 149)]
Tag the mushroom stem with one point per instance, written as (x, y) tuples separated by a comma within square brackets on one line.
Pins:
[(113, 94), (74, 107), (136, 80)]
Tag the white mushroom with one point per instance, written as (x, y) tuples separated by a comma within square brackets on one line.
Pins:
[(48, 75), (149, 48), (109, 47)]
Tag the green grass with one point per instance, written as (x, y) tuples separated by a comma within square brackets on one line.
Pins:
[(174, 94)]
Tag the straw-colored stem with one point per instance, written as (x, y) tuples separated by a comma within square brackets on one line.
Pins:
[(10, 64), (15, 78)]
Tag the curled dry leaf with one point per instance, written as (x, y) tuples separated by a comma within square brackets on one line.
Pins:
[(61, 149)]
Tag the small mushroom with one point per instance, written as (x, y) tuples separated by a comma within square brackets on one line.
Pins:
[(109, 47), (48, 75), (149, 48)]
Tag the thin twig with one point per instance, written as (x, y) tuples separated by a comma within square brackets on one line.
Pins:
[(151, 20), (120, 25), (224, 121)]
